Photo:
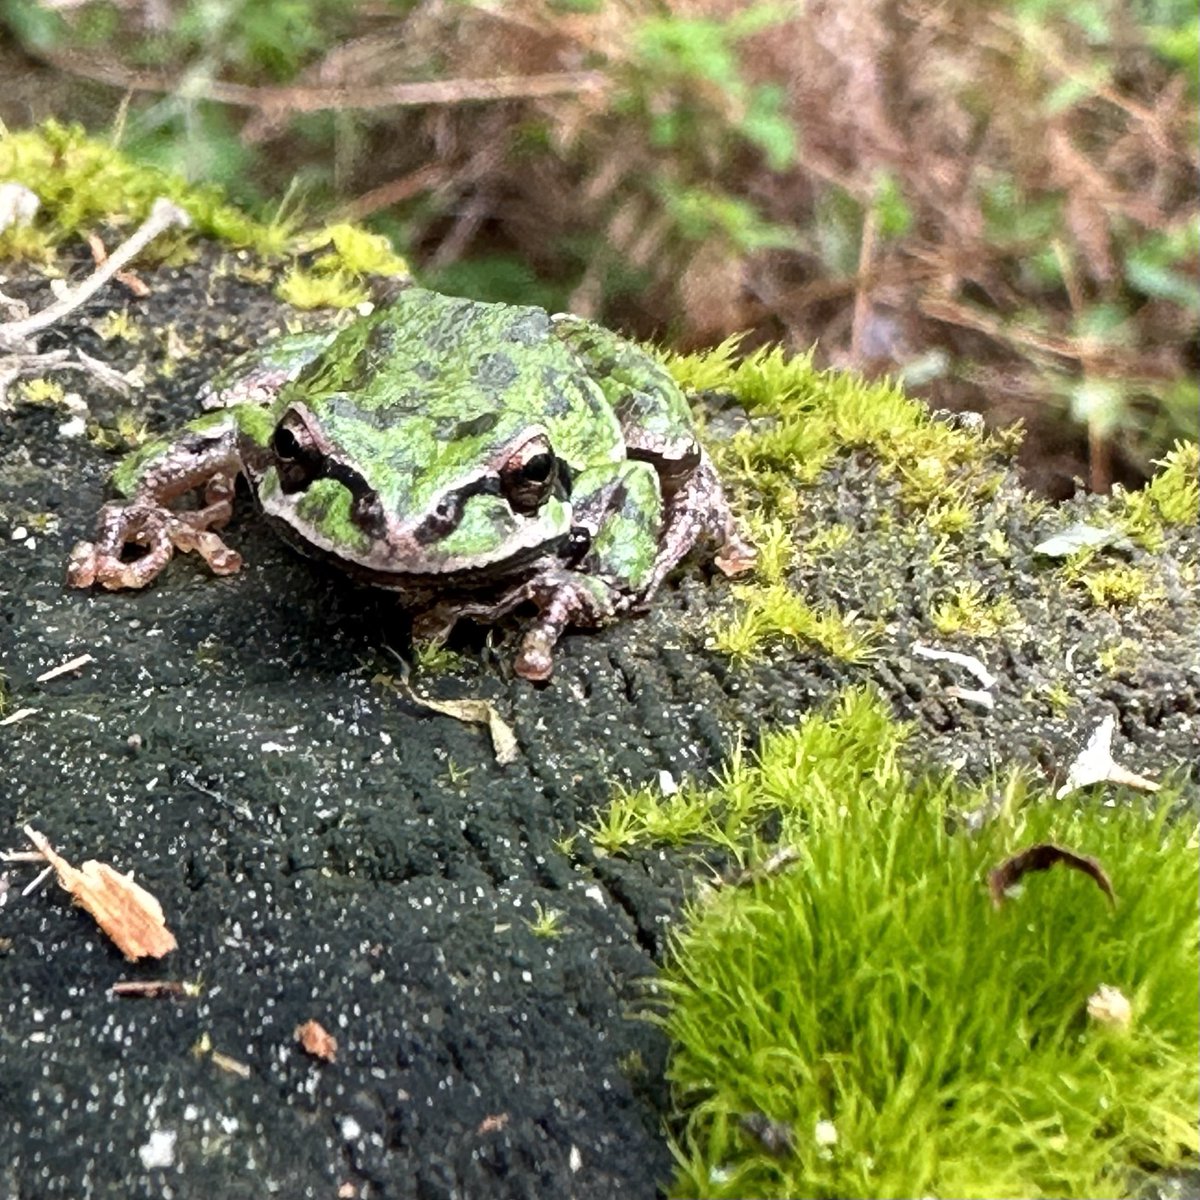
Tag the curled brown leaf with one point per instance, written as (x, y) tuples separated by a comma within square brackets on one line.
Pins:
[(1042, 857)]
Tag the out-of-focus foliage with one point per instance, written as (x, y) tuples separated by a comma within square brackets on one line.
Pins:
[(994, 199)]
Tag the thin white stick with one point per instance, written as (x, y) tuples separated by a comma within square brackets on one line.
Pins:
[(163, 215)]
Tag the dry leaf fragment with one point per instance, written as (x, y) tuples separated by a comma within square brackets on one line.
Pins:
[(316, 1040), (1096, 764), (1041, 858), (100, 256), (477, 712), (1109, 1006), (129, 914)]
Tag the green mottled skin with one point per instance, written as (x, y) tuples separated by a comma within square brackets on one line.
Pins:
[(443, 447)]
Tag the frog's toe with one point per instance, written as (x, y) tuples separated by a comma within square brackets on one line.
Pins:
[(535, 659), (81, 566), (221, 559)]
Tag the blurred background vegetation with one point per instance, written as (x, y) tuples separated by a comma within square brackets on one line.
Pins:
[(995, 200)]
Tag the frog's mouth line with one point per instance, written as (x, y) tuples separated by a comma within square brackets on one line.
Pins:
[(425, 583)]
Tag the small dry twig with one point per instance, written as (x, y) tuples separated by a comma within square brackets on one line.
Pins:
[(164, 215), (152, 989)]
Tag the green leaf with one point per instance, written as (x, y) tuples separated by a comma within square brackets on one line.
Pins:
[(891, 209)]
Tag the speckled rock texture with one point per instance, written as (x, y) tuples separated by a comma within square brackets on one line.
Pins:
[(325, 849)]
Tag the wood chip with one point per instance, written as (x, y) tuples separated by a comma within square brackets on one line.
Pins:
[(230, 1066), (316, 1040), (127, 913), (1041, 858)]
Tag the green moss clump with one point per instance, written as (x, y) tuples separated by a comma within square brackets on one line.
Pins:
[(811, 414), (351, 249), (316, 289), (967, 610), (901, 1035), (1120, 586), (1171, 498), (81, 181), (768, 613)]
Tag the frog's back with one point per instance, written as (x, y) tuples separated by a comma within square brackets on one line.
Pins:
[(440, 377)]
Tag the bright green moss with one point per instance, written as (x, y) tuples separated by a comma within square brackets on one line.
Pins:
[(309, 289), (432, 658), (801, 418), (81, 181), (1119, 586), (771, 613), (968, 610), (40, 391), (811, 414), (906, 1037), (354, 250), (1171, 498)]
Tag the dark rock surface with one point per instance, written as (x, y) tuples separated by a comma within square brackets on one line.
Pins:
[(325, 849)]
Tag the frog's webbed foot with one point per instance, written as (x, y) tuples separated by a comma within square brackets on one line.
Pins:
[(698, 509), (153, 532)]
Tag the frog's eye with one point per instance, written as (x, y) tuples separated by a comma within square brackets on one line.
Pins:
[(298, 460), (528, 477)]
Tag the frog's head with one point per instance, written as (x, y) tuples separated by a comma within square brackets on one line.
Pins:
[(405, 496)]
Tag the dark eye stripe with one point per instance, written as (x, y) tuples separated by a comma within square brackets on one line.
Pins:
[(446, 518)]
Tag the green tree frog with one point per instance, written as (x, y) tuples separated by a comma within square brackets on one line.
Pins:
[(474, 458)]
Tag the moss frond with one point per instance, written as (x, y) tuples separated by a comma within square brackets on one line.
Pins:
[(310, 289), (771, 613), (968, 610), (1171, 498)]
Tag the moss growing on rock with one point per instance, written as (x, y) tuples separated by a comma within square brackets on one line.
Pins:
[(81, 182), (867, 1023)]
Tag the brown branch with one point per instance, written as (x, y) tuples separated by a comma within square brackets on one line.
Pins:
[(299, 99)]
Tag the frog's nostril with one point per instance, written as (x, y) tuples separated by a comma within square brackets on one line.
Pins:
[(367, 513)]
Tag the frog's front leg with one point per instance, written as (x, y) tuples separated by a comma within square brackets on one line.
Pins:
[(563, 598), (136, 537)]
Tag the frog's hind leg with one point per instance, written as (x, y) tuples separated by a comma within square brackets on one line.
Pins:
[(698, 511)]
